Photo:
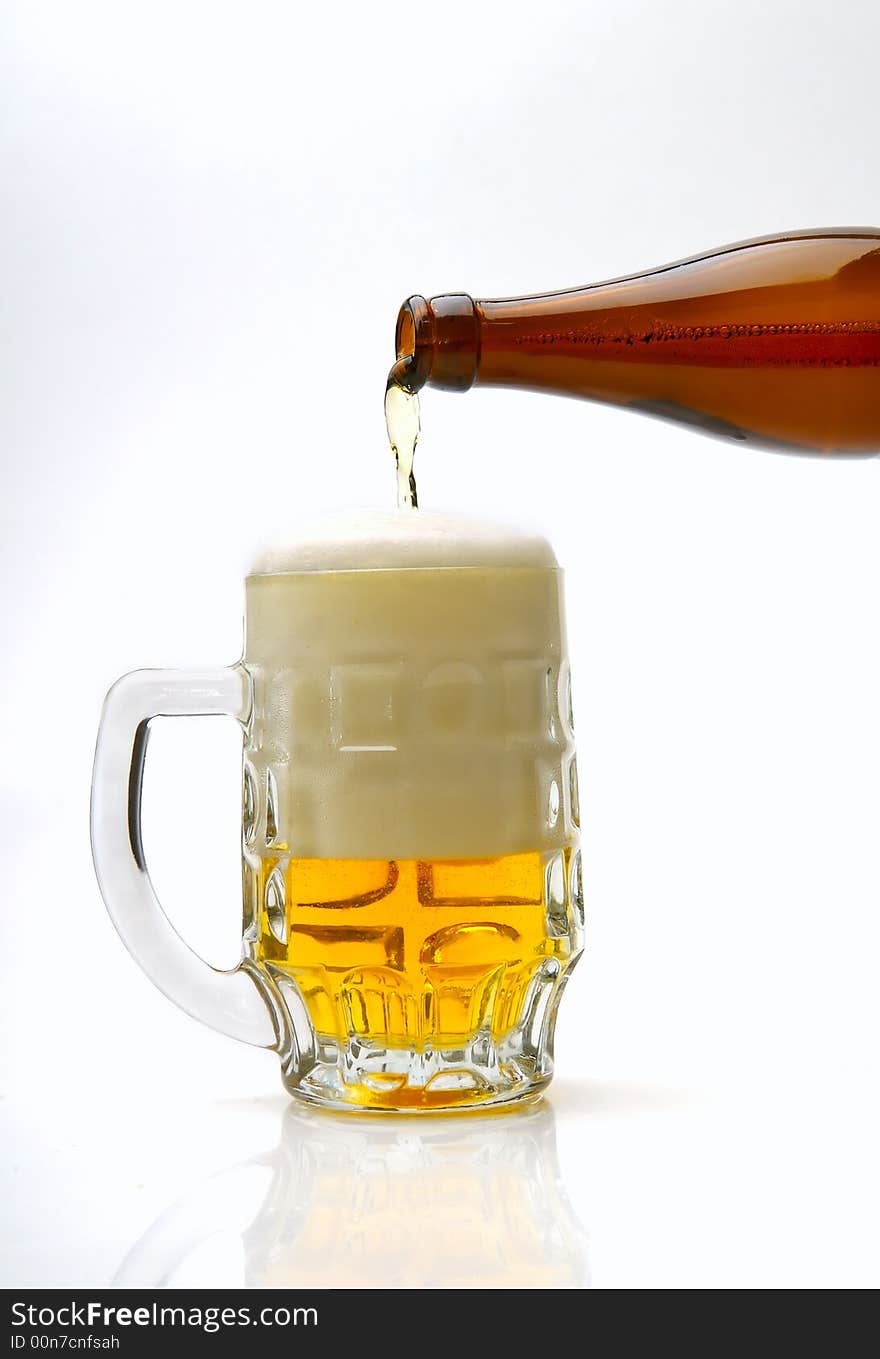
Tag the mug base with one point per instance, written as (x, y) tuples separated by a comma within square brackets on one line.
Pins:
[(474, 1072), (383, 1081)]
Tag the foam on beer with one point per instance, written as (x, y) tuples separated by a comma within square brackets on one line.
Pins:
[(379, 540), (410, 688)]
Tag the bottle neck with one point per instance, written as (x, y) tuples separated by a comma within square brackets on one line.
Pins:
[(438, 342)]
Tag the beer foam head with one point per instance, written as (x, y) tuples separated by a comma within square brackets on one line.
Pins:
[(375, 540), (411, 713)]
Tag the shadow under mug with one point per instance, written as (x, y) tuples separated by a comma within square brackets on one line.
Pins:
[(413, 902)]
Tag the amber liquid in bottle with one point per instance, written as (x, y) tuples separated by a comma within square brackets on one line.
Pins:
[(774, 342)]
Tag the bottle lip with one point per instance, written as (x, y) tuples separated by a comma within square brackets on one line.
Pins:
[(414, 343), (438, 342)]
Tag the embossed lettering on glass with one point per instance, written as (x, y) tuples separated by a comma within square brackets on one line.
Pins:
[(413, 901)]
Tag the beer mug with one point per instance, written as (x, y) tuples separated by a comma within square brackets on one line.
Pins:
[(413, 902)]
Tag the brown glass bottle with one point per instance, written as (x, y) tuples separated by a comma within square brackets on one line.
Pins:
[(775, 342)]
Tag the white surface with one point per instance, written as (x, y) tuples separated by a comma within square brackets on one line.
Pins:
[(210, 212), (372, 540)]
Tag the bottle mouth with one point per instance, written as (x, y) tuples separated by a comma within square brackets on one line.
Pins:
[(437, 341), (413, 343)]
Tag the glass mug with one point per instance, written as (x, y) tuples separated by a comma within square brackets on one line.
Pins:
[(413, 902)]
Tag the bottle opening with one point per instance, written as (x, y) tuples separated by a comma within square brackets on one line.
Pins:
[(413, 343), (437, 341), (405, 339)]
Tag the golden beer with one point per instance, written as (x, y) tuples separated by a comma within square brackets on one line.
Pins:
[(419, 955), (412, 876), (412, 890)]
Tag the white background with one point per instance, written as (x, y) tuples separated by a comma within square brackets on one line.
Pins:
[(211, 213)]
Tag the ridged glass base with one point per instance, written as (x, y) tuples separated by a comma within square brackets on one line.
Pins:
[(362, 1074), (364, 1077)]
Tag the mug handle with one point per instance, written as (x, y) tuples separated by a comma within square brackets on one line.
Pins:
[(236, 1002)]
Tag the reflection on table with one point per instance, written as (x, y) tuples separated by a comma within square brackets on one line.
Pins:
[(343, 1202)]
